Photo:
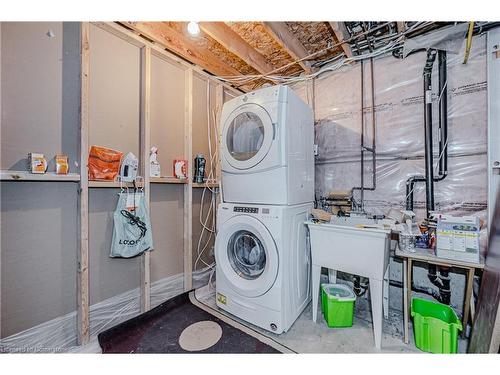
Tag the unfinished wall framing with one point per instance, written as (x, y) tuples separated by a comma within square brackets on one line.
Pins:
[(94, 84)]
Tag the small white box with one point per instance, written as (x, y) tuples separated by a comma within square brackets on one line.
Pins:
[(458, 238)]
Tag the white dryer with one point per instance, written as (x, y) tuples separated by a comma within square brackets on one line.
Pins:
[(267, 148), (263, 263)]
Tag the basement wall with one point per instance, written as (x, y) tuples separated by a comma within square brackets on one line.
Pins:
[(40, 104), (40, 87), (400, 139)]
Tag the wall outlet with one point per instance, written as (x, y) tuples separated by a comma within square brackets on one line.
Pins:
[(315, 150)]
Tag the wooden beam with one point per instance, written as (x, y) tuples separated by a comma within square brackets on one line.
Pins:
[(83, 192), (182, 45), (282, 35), (341, 34), (219, 103), (124, 32), (401, 26), (145, 146), (188, 188), (235, 44)]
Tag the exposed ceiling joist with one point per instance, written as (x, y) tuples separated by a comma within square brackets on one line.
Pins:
[(280, 32), (230, 40), (180, 44), (341, 34), (401, 27)]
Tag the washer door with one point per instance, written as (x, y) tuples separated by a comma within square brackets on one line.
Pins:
[(247, 136), (247, 255)]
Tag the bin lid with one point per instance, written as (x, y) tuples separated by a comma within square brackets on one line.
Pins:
[(340, 292)]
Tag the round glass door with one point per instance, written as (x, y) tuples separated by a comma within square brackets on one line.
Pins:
[(246, 255), (245, 136)]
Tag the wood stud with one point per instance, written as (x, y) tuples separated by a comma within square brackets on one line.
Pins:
[(145, 140), (83, 302), (188, 188)]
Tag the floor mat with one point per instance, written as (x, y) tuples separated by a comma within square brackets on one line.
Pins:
[(178, 326)]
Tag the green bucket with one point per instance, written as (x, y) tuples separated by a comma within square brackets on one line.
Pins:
[(435, 326), (337, 303)]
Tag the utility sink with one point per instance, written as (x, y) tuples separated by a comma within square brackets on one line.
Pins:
[(355, 250)]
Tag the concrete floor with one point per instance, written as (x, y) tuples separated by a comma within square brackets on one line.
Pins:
[(305, 336)]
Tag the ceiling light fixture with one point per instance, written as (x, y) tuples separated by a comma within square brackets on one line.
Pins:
[(193, 28)]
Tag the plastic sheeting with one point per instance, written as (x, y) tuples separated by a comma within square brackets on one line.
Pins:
[(400, 132), (447, 39), (399, 113), (60, 334)]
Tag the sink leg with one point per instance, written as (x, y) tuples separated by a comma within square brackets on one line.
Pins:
[(332, 276), (386, 294), (316, 275), (376, 297)]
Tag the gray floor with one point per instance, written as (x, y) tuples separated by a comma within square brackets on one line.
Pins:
[(305, 336)]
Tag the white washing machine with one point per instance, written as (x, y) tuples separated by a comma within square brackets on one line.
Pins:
[(263, 263), (267, 148)]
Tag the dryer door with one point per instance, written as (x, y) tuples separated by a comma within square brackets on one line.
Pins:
[(247, 136), (247, 255)]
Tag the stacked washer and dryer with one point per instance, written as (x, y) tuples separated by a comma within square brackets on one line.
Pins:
[(267, 162)]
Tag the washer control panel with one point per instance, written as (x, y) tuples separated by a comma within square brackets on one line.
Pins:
[(248, 210)]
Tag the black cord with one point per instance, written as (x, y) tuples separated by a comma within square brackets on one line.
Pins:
[(134, 220)]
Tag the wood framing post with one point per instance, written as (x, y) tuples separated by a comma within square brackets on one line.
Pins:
[(0, 231), (311, 96), (219, 103), (188, 187), (83, 193), (145, 138)]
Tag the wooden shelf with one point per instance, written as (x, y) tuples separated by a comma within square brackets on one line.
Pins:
[(48, 176), (112, 184), (167, 180), (210, 184)]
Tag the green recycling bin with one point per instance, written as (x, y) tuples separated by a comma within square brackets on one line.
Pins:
[(337, 303), (435, 326)]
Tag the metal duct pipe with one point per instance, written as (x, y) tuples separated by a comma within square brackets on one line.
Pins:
[(429, 172)]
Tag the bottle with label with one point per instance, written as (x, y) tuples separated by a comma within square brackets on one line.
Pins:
[(199, 169)]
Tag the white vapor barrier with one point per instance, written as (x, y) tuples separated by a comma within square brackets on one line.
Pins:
[(399, 113), (60, 335), (399, 119)]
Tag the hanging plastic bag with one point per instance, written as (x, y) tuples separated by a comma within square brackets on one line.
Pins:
[(132, 227), (103, 163)]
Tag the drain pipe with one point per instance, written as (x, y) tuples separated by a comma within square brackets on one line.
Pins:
[(429, 172), (442, 281)]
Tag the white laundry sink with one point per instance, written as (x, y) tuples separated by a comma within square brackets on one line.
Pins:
[(359, 251)]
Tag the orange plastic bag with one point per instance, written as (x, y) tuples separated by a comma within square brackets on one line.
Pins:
[(104, 163)]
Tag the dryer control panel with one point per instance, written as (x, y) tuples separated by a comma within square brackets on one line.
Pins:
[(248, 210)]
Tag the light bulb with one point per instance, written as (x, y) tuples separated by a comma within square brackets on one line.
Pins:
[(193, 28)]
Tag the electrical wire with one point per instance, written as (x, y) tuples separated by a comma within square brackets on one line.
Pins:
[(211, 213), (393, 44)]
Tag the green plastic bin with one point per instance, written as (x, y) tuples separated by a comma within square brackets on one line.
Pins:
[(435, 326), (337, 303)]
